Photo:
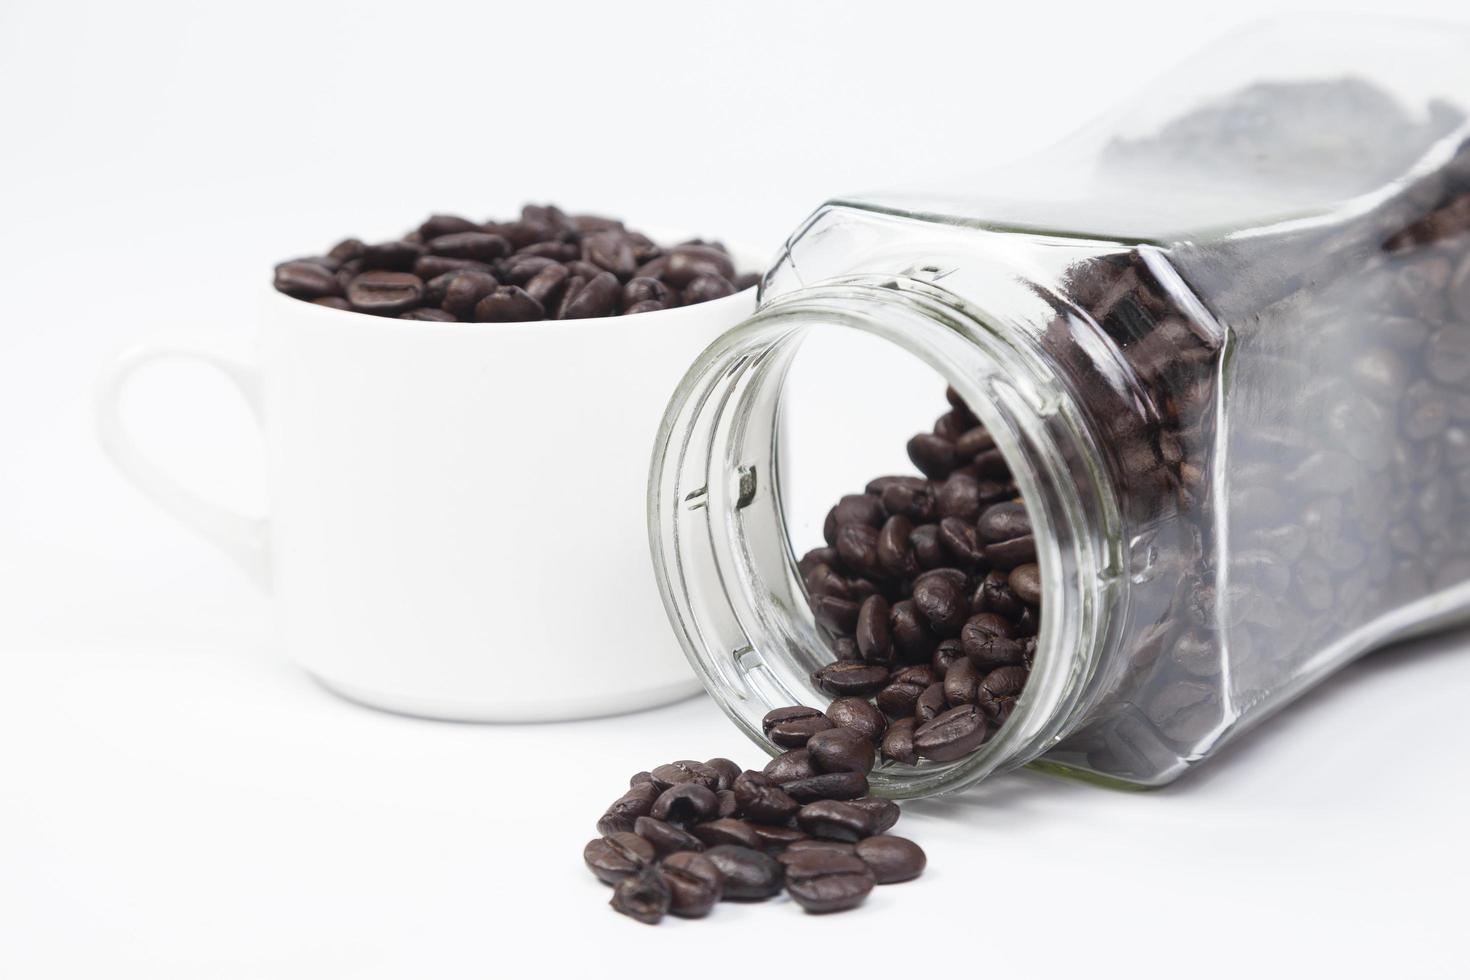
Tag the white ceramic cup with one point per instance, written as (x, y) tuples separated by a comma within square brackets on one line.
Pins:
[(456, 521)]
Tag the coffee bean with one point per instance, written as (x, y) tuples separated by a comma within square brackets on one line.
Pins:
[(758, 797), (616, 856), (643, 896), (385, 293), (685, 804), (913, 641), (950, 736), (347, 249), (706, 288), (857, 544), (987, 642), (827, 881), (961, 684), (695, 884), (464, 290), (958, 497), (777, 837), (333, 302), (933, 455), (391, 256), (845, 679), (306, 280), (749, 875), (996, 596), (931, 703), (882, 814), (546, 286), (645, 288), (725, 770), (598, 296), (835, 820), (794, 851), (998, 692), (898, 740), (665, 837), (1025, 582), (942, 602), (892, 859), (727, 830), (874, 638), (827, 786), (960, 540), (896, 555), (622, 813), (728, 806), (945, 654), (913, 500), (428, 313), (689, 262), (791, 727), (428, 267), (858, 715), (508, 304), (901, 696), (1009, 554), (685, 771), (840, 750), (1002, 522), (790, 766), (928, 549), (610, 250), (640, 779)]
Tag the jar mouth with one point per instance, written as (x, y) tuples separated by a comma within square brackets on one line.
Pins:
[(724, 559)]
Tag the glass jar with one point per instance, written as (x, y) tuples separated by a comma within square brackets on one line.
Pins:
[(1222, 340)]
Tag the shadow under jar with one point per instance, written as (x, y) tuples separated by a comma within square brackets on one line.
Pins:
[(1222, 340)]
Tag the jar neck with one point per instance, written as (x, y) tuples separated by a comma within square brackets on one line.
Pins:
[(724, 559)]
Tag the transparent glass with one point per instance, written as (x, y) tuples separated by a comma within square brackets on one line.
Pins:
[(1222, 339)]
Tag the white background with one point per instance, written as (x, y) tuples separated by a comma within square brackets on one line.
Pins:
[(178, 801)]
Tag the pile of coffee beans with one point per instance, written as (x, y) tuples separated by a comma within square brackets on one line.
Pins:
[(688, 835), (930, 592), (545, 266)]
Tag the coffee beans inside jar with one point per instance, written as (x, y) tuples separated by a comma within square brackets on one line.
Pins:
[(546, 265)]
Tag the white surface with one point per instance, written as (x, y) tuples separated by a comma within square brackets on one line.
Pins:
[(180, 801)]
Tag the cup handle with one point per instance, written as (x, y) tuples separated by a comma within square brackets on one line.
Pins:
[(242, 537)]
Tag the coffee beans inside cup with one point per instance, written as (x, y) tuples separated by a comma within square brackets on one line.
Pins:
[(546, 265)]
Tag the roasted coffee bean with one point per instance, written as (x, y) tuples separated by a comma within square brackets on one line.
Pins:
[(873, 635), (835, 820), (623, 812), (945, 655), (749, 875), (438, 225), (641, 778), (727, 830), (695, 884), (857, 544), (898, 740), (777, 837), (385, 293), (840, 750), (1002, 522), (759, 798), (686, 803), (844, 679), (931, 703), (685, 771), (428, 313), (912, 499), (464, 290), (1009, 554), (791, 727), (998, 692), (346, 250), (950, 736), (689, 262), (961, 684), (665, 837), (428, 267), (973, 442), (643, 896), (958, 497), (996, 596), (726, 771), (896, 555), (1025, 582), (706, 288), (305, 279), (616, 856), (992, 463), (987, 642), (960, 540), (828, 786), (928, 548), (793, 851), (333, 302), (646, 288), (546, 286), (901, 696), (913, 641), (508, 304), (858, 715), (942, 602), (391, 256), (610, 250), (836, 613), (790, 766), (892, 859), (933, 455), (859, 508), (598, 296), (845, 648), (827, 881), (882, 814), (728, 806)]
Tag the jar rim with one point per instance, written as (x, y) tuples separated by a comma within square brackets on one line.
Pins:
[(694, 518)]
